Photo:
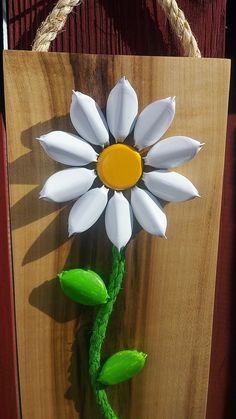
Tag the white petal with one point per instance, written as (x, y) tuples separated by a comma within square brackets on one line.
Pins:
[(119, 220), (87, 209), (170, 186), (148, 212), (88, 119), (67, 148), (67, 184), (172, 152), (153, 122), (122, 109)]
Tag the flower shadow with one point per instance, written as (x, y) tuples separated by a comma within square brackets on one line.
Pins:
[(21, 168), (22, 212), (49, 299), (85, 253), (79, 390), (51, 238), (30, 169)]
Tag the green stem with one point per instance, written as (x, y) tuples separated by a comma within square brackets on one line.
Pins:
[(99, 332)]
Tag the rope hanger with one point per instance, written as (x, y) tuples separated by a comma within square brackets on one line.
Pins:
[(55, 21)]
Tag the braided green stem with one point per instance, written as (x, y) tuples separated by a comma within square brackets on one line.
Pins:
[(99, 332)]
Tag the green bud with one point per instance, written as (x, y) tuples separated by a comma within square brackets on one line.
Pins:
[(83, 286), (121, 366)]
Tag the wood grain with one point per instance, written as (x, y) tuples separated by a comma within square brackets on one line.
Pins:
[(166, 305), (9, 400)]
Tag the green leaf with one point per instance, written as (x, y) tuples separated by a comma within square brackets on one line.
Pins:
[(83, 286), (121, 366)]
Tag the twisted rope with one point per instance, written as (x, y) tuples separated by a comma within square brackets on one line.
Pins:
[(180, 27), (55, 21), (99, 332), (53, 24)]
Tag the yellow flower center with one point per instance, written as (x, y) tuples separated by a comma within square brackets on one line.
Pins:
[(119, 166)]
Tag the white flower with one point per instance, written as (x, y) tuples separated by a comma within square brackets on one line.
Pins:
[(119, 166)]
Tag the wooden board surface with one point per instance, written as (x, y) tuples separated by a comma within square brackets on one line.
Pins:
[(166, 305), (9, 400)]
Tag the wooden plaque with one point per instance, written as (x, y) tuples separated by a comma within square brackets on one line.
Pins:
[(166, 305)]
